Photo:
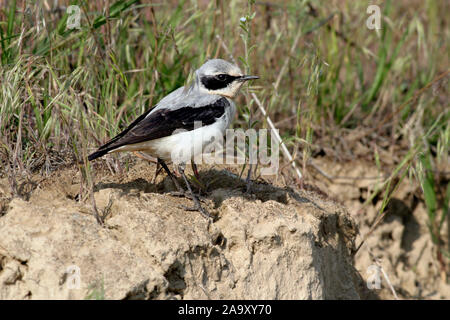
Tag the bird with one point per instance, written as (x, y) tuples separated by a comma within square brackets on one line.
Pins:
[(190, 116)]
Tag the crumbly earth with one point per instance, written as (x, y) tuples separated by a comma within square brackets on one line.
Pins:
[(273, 243), (401, 244)]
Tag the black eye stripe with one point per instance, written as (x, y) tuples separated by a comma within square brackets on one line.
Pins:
[(219, 81)]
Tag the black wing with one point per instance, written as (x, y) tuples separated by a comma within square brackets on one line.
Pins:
[(162, 123)]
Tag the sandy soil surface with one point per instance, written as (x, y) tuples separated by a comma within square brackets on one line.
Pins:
[(263, 227), (401, 244), (273, 243)]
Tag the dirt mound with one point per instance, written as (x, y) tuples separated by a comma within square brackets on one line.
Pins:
[(276, 243)]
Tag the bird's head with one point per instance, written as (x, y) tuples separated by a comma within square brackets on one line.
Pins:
[(217, 76)]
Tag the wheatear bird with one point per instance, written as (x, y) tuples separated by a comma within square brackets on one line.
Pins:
[(167, 131)]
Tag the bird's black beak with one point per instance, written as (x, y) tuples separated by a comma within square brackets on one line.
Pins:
[(247, 77)]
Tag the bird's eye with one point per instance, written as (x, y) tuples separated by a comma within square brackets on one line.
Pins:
[(222, 77)]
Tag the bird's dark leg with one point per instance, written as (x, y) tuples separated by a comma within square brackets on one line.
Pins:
[(157, 171), (197, 205), (194, 168), (170, 174), (249, 180)]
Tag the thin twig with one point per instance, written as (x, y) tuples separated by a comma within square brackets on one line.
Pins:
[(330, 177), (417, 94), (372, 228), (286, 61), (413, 98), (277, 136), (224, 46), (377, 262)]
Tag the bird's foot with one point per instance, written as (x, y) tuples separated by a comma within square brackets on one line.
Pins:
[(196, 200)]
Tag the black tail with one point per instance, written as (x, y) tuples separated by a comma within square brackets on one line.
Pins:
[(114, 143), (98, 154)]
